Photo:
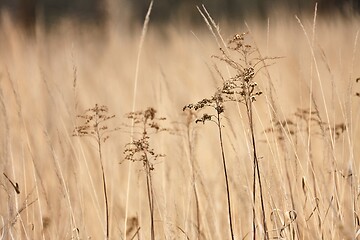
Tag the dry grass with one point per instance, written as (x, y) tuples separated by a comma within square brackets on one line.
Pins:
[(309, 163)]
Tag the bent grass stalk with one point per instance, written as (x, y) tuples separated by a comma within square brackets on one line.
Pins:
[(136, 80), (191, 141)]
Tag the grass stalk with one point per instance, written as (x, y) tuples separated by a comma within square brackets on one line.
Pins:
[(104, 186), (225, 176), (256, 168), (136, 80), (149, 185), (191, 142), (256, 173), (150, 194)]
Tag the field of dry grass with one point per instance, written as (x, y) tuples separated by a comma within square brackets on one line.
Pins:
[(306, 130)]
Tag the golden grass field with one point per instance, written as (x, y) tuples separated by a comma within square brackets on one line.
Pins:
[(309, 168)]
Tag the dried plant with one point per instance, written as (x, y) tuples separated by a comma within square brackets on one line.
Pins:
[(304, 120), (243, 89), (216, 104), (94, 126), (245, 60), (139, 150)]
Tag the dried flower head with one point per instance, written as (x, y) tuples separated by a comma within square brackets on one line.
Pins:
[(147, 120), (94, 123), (241, 57), (139, 150), (239, 88), (216, 102)]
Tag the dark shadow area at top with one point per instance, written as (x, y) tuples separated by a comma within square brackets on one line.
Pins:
[(95, 12)]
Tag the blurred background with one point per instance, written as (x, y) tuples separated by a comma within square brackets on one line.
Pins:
[(97, 12), (85, 52)]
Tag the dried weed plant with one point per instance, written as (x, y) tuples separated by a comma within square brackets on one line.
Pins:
[(146, 123), (240, 88), (307, 122), (216, 105), (95, 126)]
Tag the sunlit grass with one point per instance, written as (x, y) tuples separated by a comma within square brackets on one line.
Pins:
[(305, 126)]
